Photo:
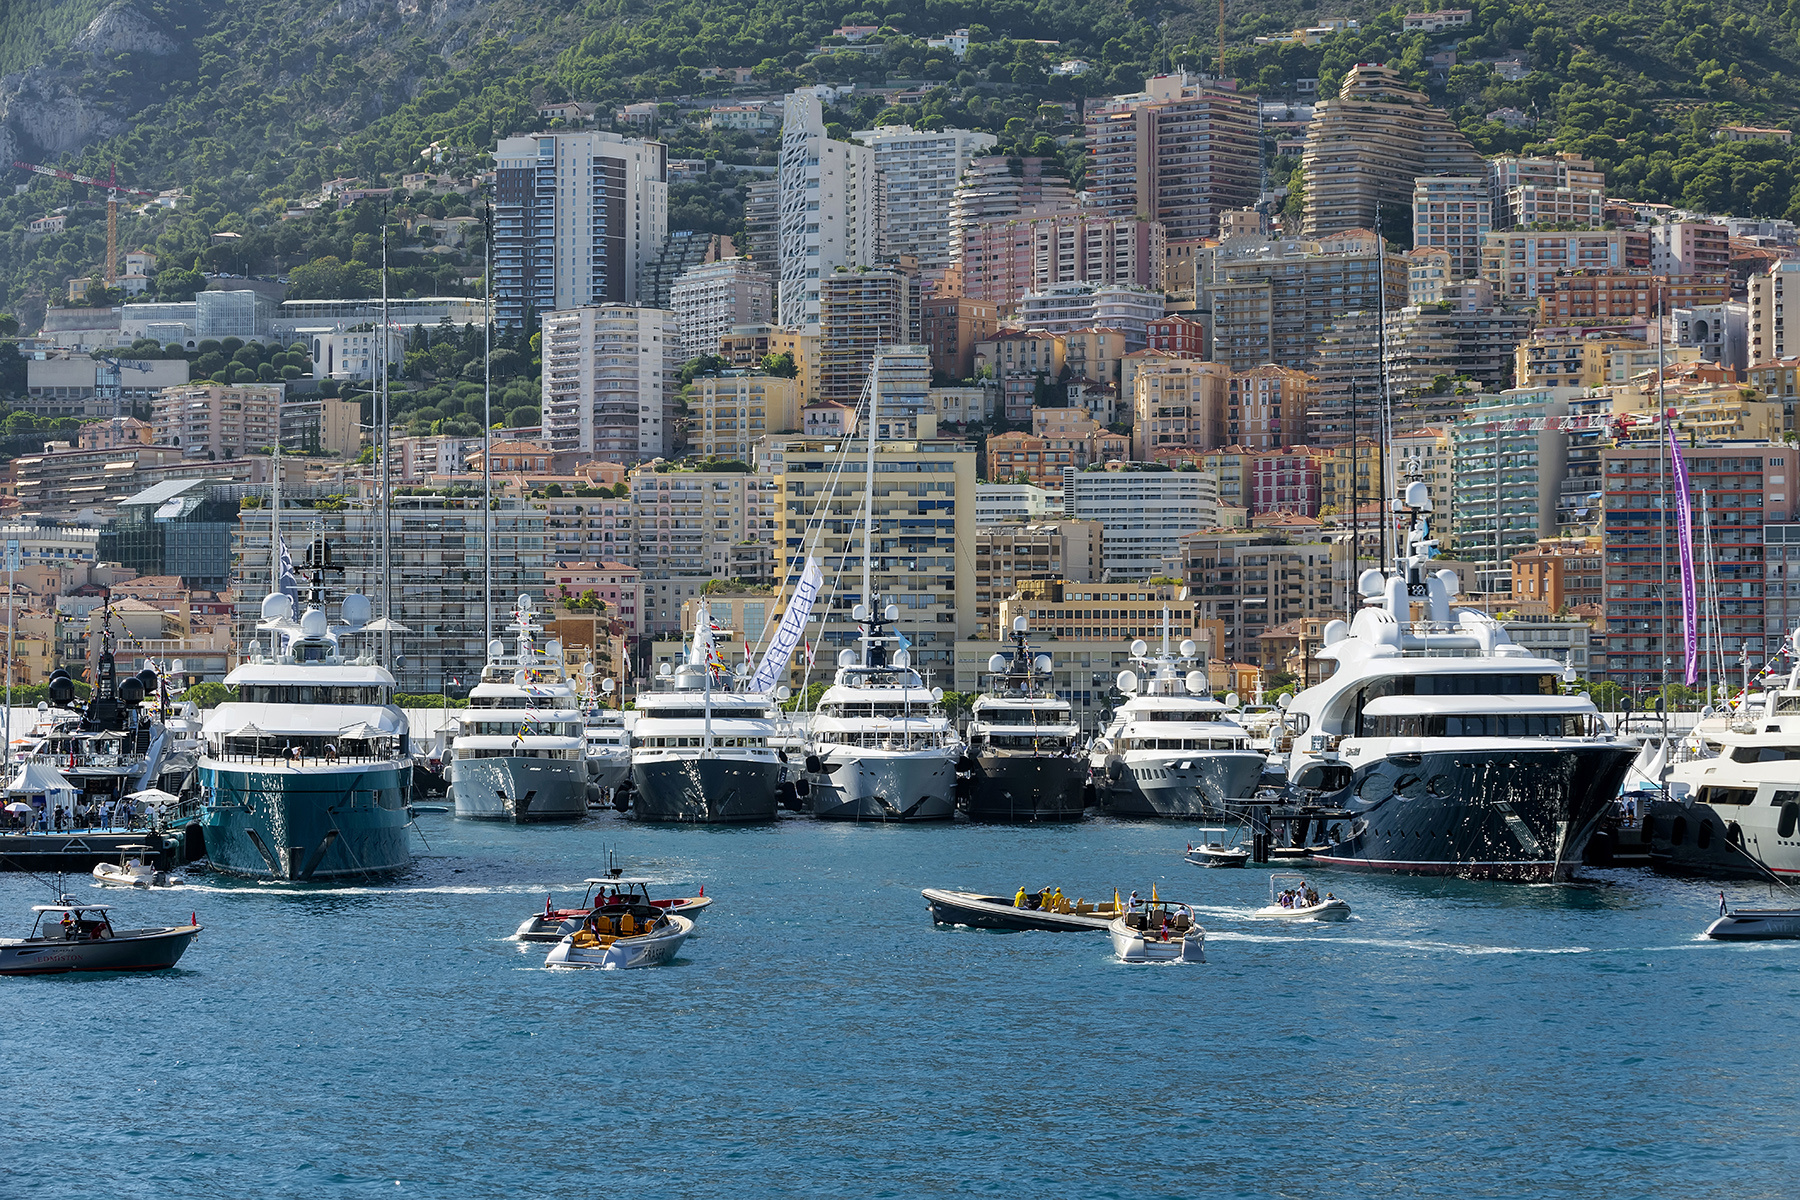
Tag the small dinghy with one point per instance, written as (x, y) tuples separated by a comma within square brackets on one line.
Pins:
[(614, 894), (1756, 925), (70, 937), (1300, 902), (1159, 931), (1026, 910), (132, 871), (640, 937), (1214, 851)]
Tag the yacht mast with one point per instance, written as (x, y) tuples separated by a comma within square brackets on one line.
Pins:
[(275, 526), (1662, 522), (1384, 422), (487, 428), (385, 550), (869, 505)]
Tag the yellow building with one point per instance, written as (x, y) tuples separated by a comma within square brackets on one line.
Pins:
[(726, 413), (1178, 406), (1349, 472)]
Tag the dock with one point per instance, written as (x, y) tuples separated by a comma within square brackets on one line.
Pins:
[(1280, 830), (84, 849)]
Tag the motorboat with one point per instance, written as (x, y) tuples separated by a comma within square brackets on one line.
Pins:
[(519, 754), (135, 869), (1172, 750), (1447, 748), (306, 774), (1023, 761), (70, 936), (613, 893), (979, 911), (1215, 849), (635, 936), (1756, 925), (703, 749), (1159, 931), (1291, 898)]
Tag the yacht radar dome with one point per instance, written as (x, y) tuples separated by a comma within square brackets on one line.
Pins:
[(1370, 582), (496, 648), (312, 623), (996, 663), (891, 612), (937, 693), (606, 686), (356, 609), (277, 606), (664, 670), (553, 648), (846, 658), (1188, 648), (783, 692), (1418, 496), (588, 669), (859, 613), (1232, 700), (1021, 624), (902, 659), (1196, 682), (1140, 648), (1042, 663), (1128, 681), (524, 602)]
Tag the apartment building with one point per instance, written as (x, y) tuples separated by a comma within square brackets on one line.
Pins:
[(1005, 258), (830, 209), (1021, 360), (1452, 213), (1000, 185), (919, 170), (598, 528), (609, 381), (1178, 409), (952, 326), (1040, 458), (1770, 338), (711, 300), (1183, 152), (1272, 301), (860, 313), (690, 526), (1560, 189), (1560, 574), (1509, 458), (1689, 248), (1523, 264), (577, 216), (1145, 513), (1008, 553), (728, 413), (1065, 307), (1245, 583), (218, 421)]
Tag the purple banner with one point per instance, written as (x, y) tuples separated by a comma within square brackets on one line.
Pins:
[(1684, 531)]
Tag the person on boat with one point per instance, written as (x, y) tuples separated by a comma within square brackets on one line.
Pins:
[(1058, 903), (1133, 905), (331, 752), (1721, 904), (1019, 900)]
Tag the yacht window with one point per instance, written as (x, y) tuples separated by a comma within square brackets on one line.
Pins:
[(1510, 725), (1727, 795), (1756, 754)]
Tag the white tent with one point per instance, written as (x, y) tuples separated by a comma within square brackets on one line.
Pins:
[(34, 777)]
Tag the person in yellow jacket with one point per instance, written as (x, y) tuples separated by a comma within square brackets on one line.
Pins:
[(1058, 902), (1019, 900)]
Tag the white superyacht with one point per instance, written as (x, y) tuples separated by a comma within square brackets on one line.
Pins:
[(519, 750)]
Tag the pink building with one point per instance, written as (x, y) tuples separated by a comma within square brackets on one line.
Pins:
[(1178, 335), (1006, 257), (1286, 480), (616, 583), (828, 419)]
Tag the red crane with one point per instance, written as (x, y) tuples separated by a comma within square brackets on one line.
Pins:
[(113, 188)]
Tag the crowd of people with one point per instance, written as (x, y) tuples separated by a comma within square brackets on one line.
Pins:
[(1304, 896), (105, 814)]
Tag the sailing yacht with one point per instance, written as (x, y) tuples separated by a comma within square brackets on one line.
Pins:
[(1023, 762), (305, 776), (519, 753), (703, 748), (1170, 750), (1450, 748)]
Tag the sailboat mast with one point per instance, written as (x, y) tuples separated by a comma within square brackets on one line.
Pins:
[(869, 504), (386, 551), (1384, 427), (487, 436), (1662, 517), (275, 526)]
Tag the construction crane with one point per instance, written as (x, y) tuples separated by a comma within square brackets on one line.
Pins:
[(113, 188)]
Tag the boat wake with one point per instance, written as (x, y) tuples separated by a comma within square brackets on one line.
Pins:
[(1226, 935)]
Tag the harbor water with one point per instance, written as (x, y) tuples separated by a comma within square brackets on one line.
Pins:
[(819, 1037)]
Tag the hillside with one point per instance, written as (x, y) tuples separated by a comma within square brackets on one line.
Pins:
[(253, 105)]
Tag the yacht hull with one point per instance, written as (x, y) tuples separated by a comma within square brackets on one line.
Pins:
[(520, 790), (608, 771), (1206, 787), (705, 790), (1024, 787), (1507, 814), (266, 821), (1726, 841), (885, 787)]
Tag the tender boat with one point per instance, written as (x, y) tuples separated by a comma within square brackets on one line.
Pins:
[(133, 871), (998, 912), (80, 937), (614, 894), (1215, 851), (637, 935), (1303, 903), (1023, 761), (1756, 925), (1159, 931)]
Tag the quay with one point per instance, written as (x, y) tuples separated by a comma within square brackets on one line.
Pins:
[(84, 849)]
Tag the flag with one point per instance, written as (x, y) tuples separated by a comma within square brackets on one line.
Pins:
[(788, 634), (900, 640), (287, 584), (1684, 534)]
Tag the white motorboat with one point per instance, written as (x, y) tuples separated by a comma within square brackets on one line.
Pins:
[(1757, 925), (133, 871), (612, 894), (1215, 849), (70, 937), (1159, 931), (1300, 902), (637, 937)]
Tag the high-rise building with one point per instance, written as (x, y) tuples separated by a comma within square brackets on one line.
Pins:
[(919, 169), (217, 421), (999, 185), (1273, 301), (950, 326), (1008, 552), (727, 413), (1178, 409), (1452, 212), (860, 312), (762, 224), (682, 251), (1144, 513), (1367, 145), (577, 216), (830, 209), (1770, 338), (1690, 248), (1561, 189), (1523, 264), (1065, 307), (1006, 257), (609, 380), (1182, 152), (1508, 461), (696, 525), (709, 301)]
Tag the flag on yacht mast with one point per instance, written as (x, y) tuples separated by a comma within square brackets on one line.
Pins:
[(1684, 534), (287, 585), (787, 634)]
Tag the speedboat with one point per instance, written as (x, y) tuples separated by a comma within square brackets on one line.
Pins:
[(1299, 902), (998, 912), (635, 936), (1215, 851), (1756, 925), (69, 937), (1023, 762), (1159, 931), (1171, 750), (614, 893), (1440, 745), (133, 871)]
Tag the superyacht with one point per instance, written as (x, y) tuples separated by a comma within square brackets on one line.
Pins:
[(1171, 750), (1449, 747), (305, 775), (1023, 761), (703, 747), (519, 754)]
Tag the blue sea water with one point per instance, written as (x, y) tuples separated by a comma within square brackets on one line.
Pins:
[(819, 1037)]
